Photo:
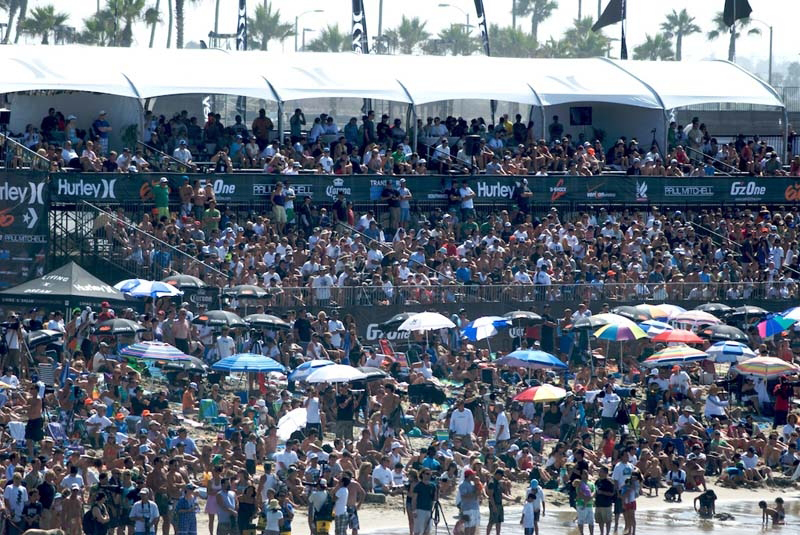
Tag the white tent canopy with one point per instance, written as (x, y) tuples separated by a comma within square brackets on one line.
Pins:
[(143, 73)]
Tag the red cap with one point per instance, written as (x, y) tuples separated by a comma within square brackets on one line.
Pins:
[(469, 472), (105, 304)]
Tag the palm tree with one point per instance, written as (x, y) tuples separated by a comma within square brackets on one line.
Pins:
[(152, 17), (267, 25), (43, 21), (179, 22), (411, 33), (169, 23), (721, 28), (98, 30), (512, 42), (458, 41), (582, 42), (330, 40), (554, 49), (389, 42), (539, 10), (658, 47), (13, 7), (680, 25), (129, 12)]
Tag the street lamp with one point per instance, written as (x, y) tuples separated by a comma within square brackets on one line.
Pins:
[(769, 76), (304, 37), (297, 19), (466, 14)]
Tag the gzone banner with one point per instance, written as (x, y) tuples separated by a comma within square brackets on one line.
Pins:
[(24, 227)]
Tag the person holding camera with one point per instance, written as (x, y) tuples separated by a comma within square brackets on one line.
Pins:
[(14, 336), (783, 392)]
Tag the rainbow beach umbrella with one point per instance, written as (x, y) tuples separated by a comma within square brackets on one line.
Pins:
[(729, 351), (672, 355), (774, 324), (619, 333), (767, 367)]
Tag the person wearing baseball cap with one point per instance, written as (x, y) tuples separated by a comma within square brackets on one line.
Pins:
[(144, 513), (469, 493)]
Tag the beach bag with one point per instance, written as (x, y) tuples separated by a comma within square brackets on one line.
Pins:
[(88, 523), (325, 512)]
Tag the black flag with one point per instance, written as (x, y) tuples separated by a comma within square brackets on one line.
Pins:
[(614, 13), (241, 27), (735, 10), (360, 42), (482, 26)]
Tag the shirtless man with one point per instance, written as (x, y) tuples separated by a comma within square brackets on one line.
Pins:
[(175, 483), (391, 413), (182, 331), (157, 482), (34, 429), (355, 498)]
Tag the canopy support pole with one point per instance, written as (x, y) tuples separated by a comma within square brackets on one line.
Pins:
[(786, 149), (280, 125)]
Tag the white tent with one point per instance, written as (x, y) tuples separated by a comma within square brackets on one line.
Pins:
[(621, 93)]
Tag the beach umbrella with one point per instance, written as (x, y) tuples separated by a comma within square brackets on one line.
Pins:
[(767, 367), (119, 326), (426, 321), (338, 373), (542, 393), (290, 422), (746, 312), (248, 363), (127, 285), (721, 333), (153, 289), (632, 313), (654, 327), (774, 324), (189, 364), (717, 309), (532, 359), (523, 316), (394, 322), (598, 320), (619, 333), (484, 327), (653, 311), (728, 351), (182, 282), (245, 291), (372, 374), (219, 318), (792, 313), (696, 317), (670, 310), (672, 355), (42, 337), (678, 335), (302, 372), (266, 320), (154, 351)]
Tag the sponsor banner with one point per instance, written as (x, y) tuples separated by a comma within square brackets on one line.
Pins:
[(24, 226), (489, 189)]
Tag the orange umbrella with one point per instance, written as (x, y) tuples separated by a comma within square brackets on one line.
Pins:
[(678, 335)]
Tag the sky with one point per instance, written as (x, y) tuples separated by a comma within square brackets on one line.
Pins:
[(644, 16)]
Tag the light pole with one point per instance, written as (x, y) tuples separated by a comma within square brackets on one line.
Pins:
[(466, 14), (769, 75), (297, 20), (304, 37)]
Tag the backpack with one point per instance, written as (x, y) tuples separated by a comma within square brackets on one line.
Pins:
[(88, 523), (326, 511)]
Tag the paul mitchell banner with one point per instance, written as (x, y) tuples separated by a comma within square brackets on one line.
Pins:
[(241, 27), (360, 42)]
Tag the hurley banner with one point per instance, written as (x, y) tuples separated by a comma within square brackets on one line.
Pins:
[(360, 40), (24, 227), (490, 190), (241, 26)]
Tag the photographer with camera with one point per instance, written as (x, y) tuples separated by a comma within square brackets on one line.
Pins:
[(783, 392), (14, 336)]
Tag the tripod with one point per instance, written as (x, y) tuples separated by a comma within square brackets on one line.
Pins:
[(438, 514)]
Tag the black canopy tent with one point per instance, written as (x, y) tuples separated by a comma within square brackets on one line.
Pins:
[(68, 286)]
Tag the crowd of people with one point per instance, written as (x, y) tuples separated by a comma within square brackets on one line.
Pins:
[(386, 146), (140, 455)]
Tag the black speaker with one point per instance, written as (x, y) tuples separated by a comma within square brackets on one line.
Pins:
[(471, 144), (5, 117)]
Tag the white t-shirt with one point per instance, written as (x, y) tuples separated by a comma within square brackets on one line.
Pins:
[(340, 507), (312, 411), (610, 404), (97, 419), (286, 459), (466, 202), (502, 421), (622, 471), (750, 462), (250, 450), (17, 497), (149, 511), (382, 476), (680, 381), (334, 326), (68, 481), (225, 347)]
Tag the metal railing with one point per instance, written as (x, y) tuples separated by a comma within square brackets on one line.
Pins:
[(700, 157), (18, 156), (161, 161)]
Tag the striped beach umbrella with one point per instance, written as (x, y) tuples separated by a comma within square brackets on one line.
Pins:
[(654, 327), (154, 351), (678, 335), (730, 352), (767, 367), (696, 317), (677, 354), (531, 358), (774, 324)]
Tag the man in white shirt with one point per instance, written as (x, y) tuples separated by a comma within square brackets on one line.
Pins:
[(382, 477), (182, 152), (501, 429), (326, 161), (322, 285), (688, 424), (225, 345), (16, 498), (467, 200), (462, 423), (340, 515), (336, 328), (288, 457), (609, 402)]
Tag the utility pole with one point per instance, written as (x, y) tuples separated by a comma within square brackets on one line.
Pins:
[(380, 27), (514, 14)]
